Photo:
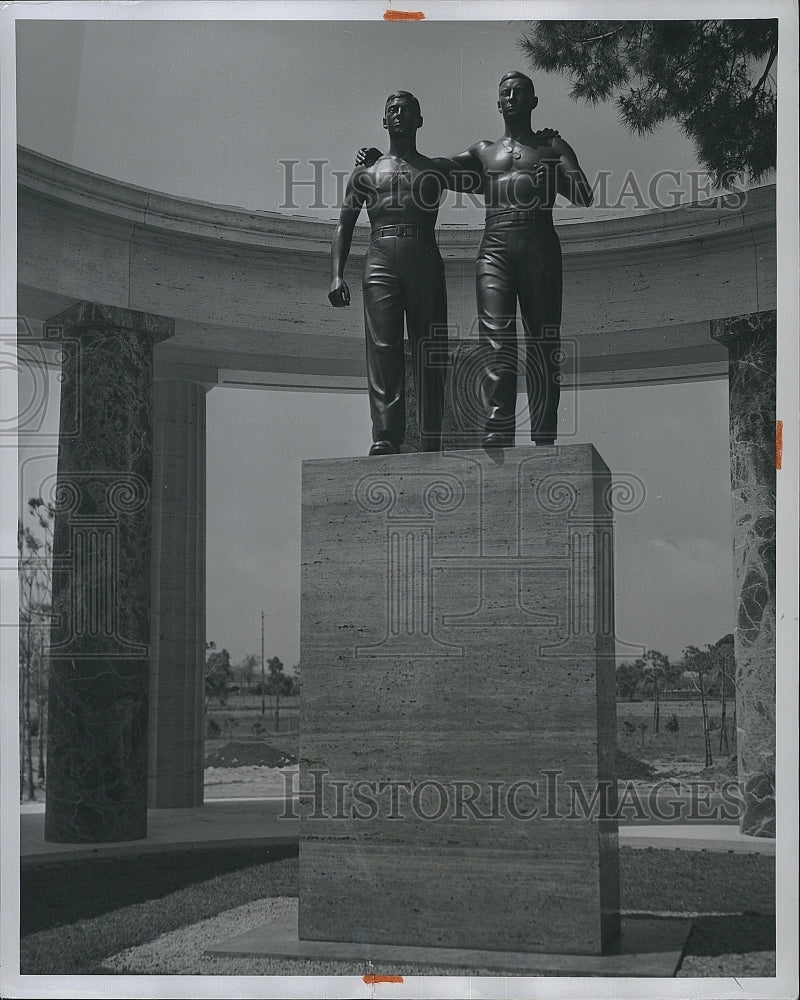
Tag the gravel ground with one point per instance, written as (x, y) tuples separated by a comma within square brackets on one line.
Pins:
[(182, 952), (749, 963)]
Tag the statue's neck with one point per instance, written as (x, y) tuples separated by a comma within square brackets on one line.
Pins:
[(520, 130), (403, 146)]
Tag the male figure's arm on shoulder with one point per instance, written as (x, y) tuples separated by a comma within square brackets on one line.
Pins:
[(572, 182), (464, 171), (354, 198)]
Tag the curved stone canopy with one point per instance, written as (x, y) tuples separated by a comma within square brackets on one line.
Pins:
[(248, 290)]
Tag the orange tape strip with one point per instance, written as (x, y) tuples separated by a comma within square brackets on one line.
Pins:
[(371, 980), (778, 443), (403, 15)]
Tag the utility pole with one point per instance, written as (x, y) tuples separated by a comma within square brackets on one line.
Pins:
[(263, 703)]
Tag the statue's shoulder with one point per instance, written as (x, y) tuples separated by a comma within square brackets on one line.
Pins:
[(367, 167), (482, 145), (367, 172)]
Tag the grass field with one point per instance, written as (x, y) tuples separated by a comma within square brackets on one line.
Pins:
[(678, 754), (241, 717), (675, 753)]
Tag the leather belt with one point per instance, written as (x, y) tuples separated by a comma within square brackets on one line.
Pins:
[(414, 232), (521, 215)]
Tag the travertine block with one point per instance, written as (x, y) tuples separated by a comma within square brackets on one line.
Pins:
[(458, 674)]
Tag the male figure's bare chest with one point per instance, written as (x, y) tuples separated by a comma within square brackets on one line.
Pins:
[(508, 156), (396, 178)]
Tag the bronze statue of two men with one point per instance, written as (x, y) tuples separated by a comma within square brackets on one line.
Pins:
[(519, 259)]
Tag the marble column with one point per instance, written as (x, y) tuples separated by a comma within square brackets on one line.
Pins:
[(177, 629), (751, 342), (97, 738)]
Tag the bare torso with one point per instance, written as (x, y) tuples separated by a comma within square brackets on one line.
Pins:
[(397, 190), (519, 175)]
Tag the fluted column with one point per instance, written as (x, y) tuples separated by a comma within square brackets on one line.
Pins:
[(751, 342), (98, 691), (177, 637)]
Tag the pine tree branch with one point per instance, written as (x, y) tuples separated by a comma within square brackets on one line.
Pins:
[(734, 64), (772, 56), (598, 38)]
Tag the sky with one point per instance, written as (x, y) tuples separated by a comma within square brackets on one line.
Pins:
[(209, 111), (213, 111)]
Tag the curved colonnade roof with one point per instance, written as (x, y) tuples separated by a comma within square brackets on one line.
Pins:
[(248, 290)]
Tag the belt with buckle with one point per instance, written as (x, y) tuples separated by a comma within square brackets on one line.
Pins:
[(414, 232), (521, 215)]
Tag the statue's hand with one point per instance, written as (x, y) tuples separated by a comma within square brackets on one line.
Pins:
[(367, 155), (546, 134), (339, 295)]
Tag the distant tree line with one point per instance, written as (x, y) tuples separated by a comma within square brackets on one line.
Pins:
[(706, 673), (223, 679)]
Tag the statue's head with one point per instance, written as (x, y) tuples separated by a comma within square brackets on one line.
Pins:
[(402, 113), (516, 95)]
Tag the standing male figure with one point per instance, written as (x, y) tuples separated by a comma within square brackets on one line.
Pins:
[(519, 259), (403, 278)]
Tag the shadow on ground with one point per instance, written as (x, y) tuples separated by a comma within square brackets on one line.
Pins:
[(64, 892), (731, 934)]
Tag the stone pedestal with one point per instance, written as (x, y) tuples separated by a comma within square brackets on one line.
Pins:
[(97, 732), (751, 342), (458, 715), (178, 598)]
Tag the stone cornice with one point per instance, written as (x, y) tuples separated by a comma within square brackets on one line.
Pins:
[(184, 218)]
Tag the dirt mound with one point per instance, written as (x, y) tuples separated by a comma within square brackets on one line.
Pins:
[(630, 768), (239, 753)]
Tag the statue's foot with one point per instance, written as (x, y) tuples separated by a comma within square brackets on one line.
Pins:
[(384, 448), (544, 442), (496, 440)]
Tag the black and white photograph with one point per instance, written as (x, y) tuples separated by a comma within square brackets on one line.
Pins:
[(399, 446)]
